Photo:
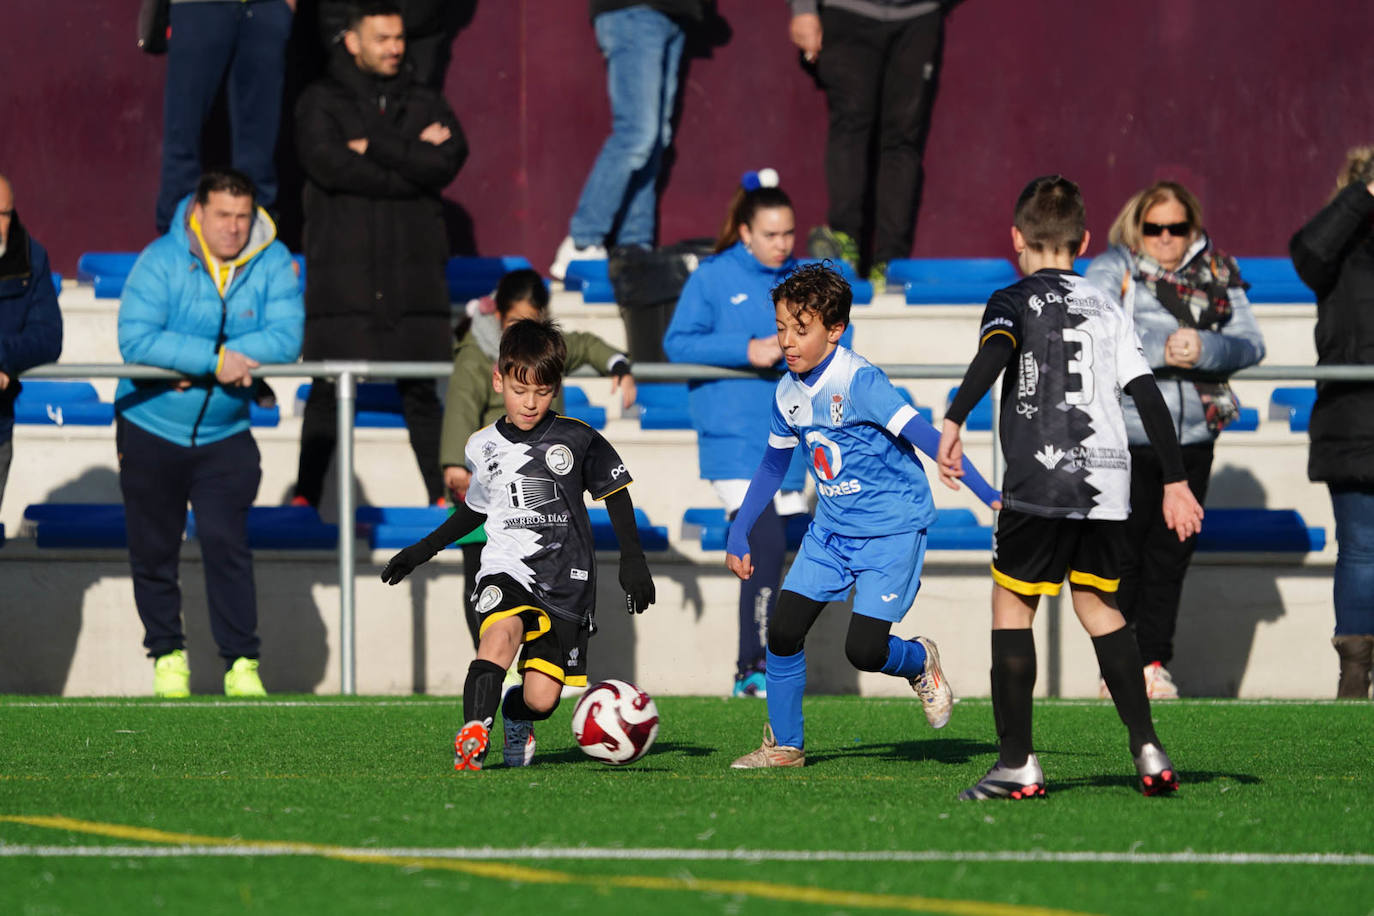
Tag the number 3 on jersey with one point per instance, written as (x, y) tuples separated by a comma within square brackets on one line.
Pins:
[(1080, 366)]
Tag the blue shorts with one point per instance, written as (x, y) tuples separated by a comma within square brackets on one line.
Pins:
[(884, 571)]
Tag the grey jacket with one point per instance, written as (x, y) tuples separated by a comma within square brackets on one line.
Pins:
[(1238, 344)]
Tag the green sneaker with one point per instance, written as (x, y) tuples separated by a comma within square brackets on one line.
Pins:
[(172, 675), (877, 275), (241, 680), (824, 242)]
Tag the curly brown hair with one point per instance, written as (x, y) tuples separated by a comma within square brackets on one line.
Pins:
[(818, 289)]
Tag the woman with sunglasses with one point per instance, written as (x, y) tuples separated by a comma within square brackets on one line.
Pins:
[(1196, 327)]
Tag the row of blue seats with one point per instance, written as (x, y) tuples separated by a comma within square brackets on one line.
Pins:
[(663, 405), (89, 525), (1223, 531), (102, 525), (924, 281)]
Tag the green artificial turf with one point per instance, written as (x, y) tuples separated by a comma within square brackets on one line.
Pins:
[(369, 785)]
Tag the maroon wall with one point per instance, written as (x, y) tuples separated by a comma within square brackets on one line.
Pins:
[(1251, 102)]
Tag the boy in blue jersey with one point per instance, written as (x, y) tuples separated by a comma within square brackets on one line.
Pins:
[(873, 509)]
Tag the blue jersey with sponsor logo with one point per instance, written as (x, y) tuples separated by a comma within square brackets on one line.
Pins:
[(869, 481)]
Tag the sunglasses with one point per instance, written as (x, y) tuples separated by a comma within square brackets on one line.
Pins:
[(1177, 230)]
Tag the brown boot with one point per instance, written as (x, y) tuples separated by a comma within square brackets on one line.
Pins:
[(1357, 658)]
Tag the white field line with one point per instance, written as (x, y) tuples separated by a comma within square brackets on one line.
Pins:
[(580, 853), (454, 701)]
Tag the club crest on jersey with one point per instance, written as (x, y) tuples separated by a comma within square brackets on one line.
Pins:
[(488, 450), (836, 410), (559, 459), (489, 599)]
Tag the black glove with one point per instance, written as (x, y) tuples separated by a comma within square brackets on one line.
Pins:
[(404, 563), (638, 584)]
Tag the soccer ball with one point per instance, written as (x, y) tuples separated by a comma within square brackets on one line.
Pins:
[(615, 722)]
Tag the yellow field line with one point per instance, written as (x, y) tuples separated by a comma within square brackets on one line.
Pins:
[(509, 872)]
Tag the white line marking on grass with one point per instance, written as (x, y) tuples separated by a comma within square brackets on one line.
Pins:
[(70, 702), (230, 850)]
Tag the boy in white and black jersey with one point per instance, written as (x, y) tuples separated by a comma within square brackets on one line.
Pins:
[(1069, 352), (537, 583)]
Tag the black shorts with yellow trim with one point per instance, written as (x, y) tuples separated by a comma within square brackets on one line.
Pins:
[(1032, 554), (552, 645)]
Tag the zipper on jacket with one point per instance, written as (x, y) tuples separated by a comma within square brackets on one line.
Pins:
[(219, 342)]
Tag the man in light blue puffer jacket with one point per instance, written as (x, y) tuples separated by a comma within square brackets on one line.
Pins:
[(214, 298)]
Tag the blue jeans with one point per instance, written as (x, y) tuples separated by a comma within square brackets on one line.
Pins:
[(212, 41), (1354, 581), (643, 51)]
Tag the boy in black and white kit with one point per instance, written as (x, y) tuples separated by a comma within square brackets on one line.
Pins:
[(537, 582), (1069, 352)]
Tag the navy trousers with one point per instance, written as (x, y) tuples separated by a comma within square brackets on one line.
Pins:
[(220, 480), (243, 47)]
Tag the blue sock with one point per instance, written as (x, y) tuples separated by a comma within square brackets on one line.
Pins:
[(786, 679), (905, 658)]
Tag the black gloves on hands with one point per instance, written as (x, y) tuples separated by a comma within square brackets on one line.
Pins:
[(638, 584), (404, 563)]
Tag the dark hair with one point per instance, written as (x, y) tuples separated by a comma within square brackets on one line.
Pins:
[(365, 9), (524, 285), (231, 181), (1050, 215), (743, 206), (816, 288), (533, 352)]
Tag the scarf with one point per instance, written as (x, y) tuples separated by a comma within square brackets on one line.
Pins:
[(1200, 283)]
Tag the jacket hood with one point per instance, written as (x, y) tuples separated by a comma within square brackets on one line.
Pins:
[(16, 262), (343, 69), (746, 260), (184, 228)]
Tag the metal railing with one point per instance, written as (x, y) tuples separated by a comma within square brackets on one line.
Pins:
[(347, 374)]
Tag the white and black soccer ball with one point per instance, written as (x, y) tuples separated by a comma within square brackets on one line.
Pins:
[(615, 722)]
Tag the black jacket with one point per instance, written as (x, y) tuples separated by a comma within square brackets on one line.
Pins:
[(1334, 254), (30, 320), (375, 244)]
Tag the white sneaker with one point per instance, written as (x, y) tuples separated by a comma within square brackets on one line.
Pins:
[(937, 699), (568, 252), (1159, 683)]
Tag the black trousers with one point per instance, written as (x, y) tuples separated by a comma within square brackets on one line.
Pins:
[(1155, 561), (879, 77), (220, 480), (424, 417)]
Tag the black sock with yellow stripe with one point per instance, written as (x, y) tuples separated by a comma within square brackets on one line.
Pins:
[(515, 708), (1119, 658), (1013, 684), (482, 691)]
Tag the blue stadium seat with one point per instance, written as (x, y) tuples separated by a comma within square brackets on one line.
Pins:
[(263, 416), (1258, 530), (106, 271), (980, 418), (378, 405), (663, 405), (1293, 404), (577, 406), (861, 289), (283, 528), (1247, 422), (1273, 280), (76, 525), (951, 281), (926, 413), (59, 402), (471, 277), (592, 279)]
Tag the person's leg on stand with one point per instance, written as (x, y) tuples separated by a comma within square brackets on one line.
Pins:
[(632, 41), (758, 595), (424, 416), (198, 55), (850, 70), (256, 77), (1353, 588), (319, 433), (154, 481), (910, 76), (224, 483), (638, 225)]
